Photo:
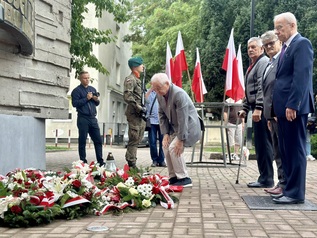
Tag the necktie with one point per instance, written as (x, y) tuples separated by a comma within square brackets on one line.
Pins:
[(282, 53)]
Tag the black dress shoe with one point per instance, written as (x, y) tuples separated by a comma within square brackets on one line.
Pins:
[(287, 200), (258, 185)]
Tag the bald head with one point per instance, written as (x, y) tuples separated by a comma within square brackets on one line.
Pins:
[(160, 83)]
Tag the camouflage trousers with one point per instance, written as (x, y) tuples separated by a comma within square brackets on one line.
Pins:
[(135, 133)]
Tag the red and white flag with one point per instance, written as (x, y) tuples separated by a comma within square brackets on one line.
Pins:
[(234, 89), (240, 69), (180, 63), (198, 85), (169, 62)]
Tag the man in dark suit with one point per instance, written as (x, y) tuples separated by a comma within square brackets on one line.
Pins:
[(292, 101), (180, 125), (272, 47), (254, 102)]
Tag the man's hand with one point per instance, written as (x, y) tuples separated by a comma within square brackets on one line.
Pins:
[(166, 141), (89, 95), (290, 114), (140, 109), (241, 114), (179, 147), (256, 115)]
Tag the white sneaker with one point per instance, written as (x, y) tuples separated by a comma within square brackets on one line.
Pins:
[(236, 157), (310, 157)]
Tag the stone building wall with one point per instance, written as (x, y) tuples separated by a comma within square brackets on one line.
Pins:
[(34, 76), (36, 84)]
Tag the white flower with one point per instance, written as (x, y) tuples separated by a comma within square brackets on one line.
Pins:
[(57, 186), (120, 172), (24, 196), (146, 203), (129, 182), (80, 166), (148, 187), (19, 176), (108, 174), (72, 194), (11, 186), (87, 184), (121, 185), (72, 176), (133, 191), (8, 202)]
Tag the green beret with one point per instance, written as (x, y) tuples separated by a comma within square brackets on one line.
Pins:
[(135, 62)]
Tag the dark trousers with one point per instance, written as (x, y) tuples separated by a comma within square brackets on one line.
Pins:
[(264, 151), (87, 125), (154, 135), (277, 154), (292, 142)]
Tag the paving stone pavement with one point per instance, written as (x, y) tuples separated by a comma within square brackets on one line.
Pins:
[(211, 208)]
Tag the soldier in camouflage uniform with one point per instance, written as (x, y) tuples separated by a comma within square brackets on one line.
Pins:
[(133, 96)]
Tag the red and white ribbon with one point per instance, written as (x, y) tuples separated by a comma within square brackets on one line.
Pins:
[(75, 201)]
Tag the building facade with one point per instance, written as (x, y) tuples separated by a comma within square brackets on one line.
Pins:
[(114, 57)]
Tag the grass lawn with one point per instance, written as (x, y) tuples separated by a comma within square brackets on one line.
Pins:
[(50, 148)]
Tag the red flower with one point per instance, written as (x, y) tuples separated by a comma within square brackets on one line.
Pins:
[(49, 194), (126, 169), (144, 181), (40, 195), (76, 183), (27, 184), (87, 195), (35, 200), (155, 190), (16, 209), (19, 181), (115, 198)]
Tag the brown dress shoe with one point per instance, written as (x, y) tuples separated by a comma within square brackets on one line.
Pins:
[(268, 189), (277, 190)]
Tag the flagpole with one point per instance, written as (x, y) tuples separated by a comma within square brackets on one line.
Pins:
[(190, 83)]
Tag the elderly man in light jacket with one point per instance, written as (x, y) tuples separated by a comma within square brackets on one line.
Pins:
[(180, 125)]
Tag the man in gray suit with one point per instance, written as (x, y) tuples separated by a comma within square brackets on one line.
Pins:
[(272, 47), (254, 102), (179, 124)]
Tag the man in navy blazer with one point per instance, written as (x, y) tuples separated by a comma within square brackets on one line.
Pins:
[(292, 101), (180, 125)]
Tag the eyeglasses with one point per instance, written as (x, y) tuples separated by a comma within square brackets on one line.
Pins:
[(271, 43), (280, 27)]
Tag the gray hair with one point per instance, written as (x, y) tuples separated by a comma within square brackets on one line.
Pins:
[(257, 40), (160, 78), (288, 16), (269, 35)]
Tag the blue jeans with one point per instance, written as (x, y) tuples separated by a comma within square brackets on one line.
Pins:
[(154, 135)]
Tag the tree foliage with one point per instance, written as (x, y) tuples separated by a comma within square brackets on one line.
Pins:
[(84, 38), (156, 22), (206, 24)]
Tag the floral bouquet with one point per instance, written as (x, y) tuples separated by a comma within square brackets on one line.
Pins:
[(32, 197)]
